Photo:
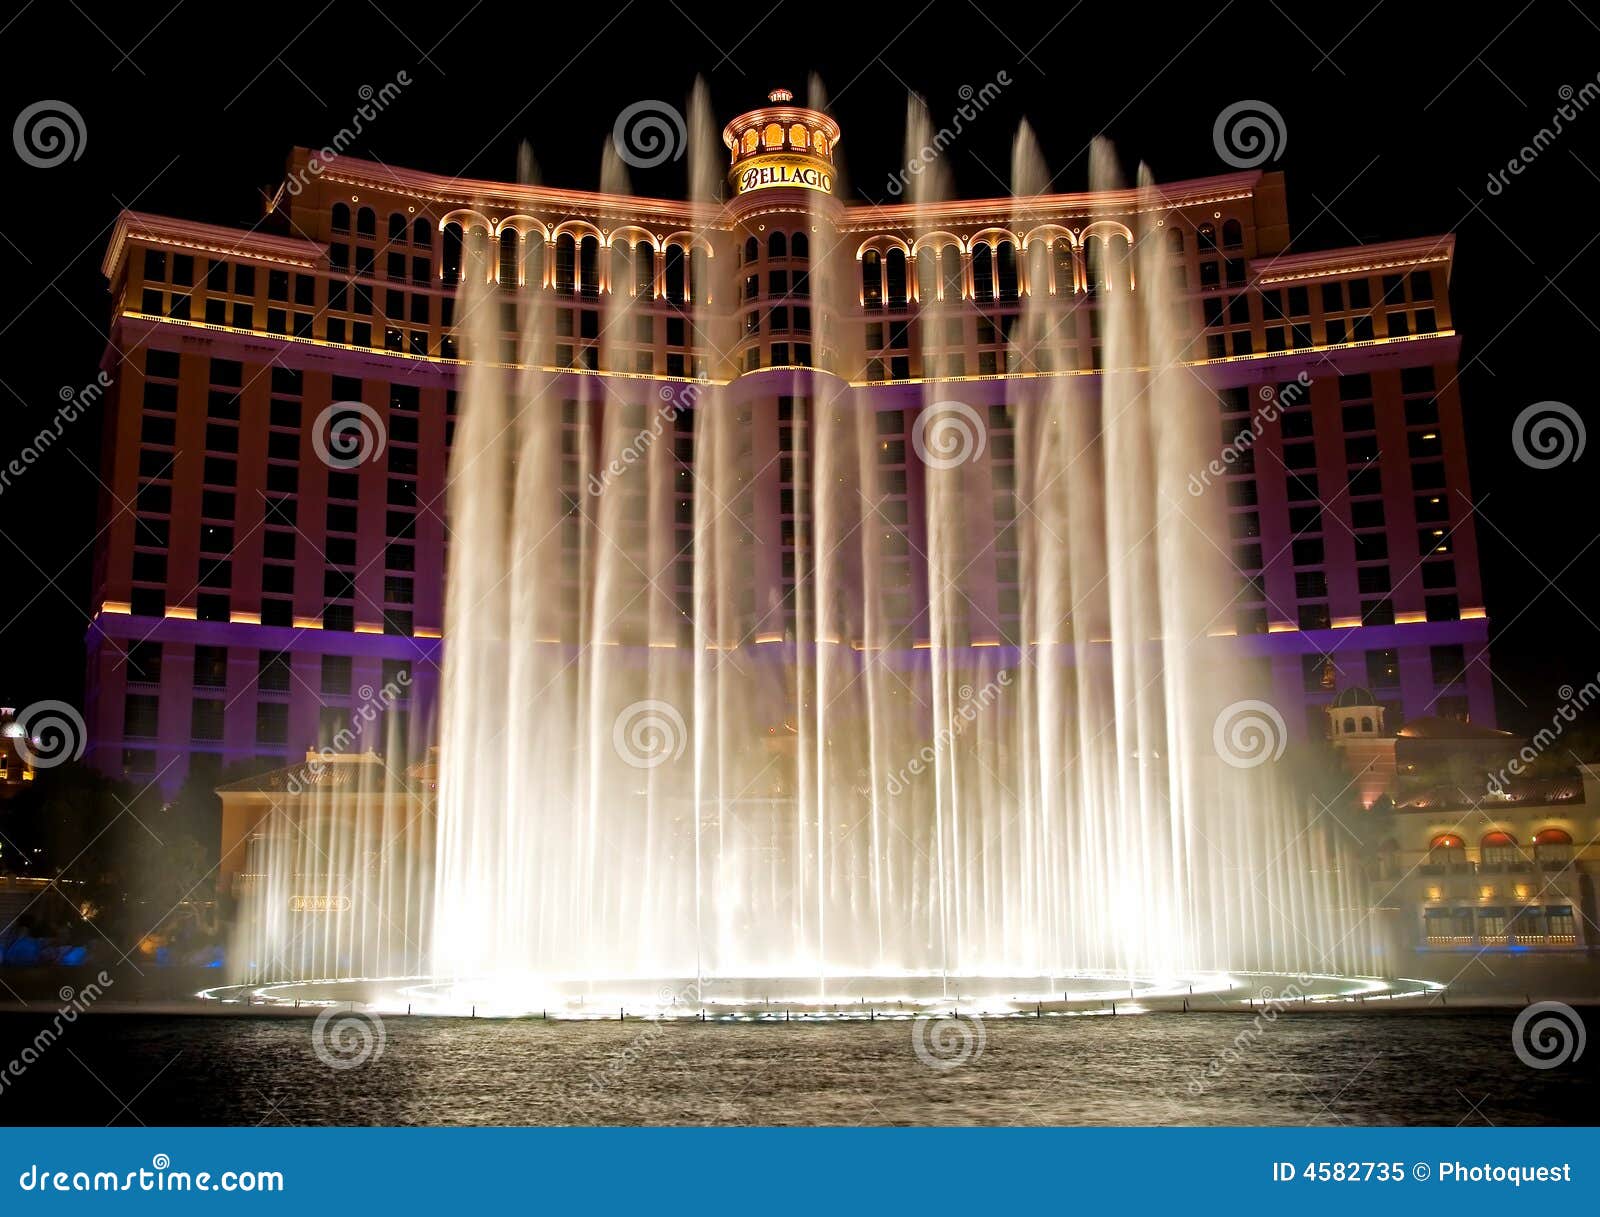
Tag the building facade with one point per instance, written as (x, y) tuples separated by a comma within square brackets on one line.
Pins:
[(249, 592)]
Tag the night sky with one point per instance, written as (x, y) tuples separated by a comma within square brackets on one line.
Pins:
[(1395, 115)]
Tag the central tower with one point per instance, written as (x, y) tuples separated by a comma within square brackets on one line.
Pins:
[(781, 145)]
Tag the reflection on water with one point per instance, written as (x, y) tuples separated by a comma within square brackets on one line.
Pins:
[(1302, 1069)]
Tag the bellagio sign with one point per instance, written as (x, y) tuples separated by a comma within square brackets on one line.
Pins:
[(766, 172)]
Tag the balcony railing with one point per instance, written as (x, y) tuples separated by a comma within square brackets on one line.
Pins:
[(1502, 940)]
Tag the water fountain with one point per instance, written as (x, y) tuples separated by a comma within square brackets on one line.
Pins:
[(659, 805)]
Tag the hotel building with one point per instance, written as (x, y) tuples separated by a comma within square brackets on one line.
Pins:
[(249, 595)]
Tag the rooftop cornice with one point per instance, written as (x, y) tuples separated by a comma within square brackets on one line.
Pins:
[(510, 198), (208, 238), (1163, 196), (1320, 263)]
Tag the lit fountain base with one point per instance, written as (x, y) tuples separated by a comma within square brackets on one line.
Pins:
[(778, 999)]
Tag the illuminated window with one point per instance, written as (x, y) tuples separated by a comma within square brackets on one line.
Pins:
[(797, 136)]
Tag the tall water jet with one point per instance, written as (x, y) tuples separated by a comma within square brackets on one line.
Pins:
[(772, 672)]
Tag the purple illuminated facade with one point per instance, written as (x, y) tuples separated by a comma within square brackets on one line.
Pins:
[(249, 599)]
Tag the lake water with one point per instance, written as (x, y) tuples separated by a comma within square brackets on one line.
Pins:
[(1315, 1068)]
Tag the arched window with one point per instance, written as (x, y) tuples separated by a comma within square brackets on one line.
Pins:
[(1119, 263), (621, 268), (1094, 258), (509, 258), (1174, 240), (950, 272), (589, 266), (800, 247), (1005, 270), (366, 222), (422, 232), (699, 270), (1061, 255), (894, 266), (341, 217), (1366, 723), (1232, 235), (797, 136), (1206, 237), (1446, 852), (751, 140), (772, 136), (397, 227), (982, 274), (677, 275), (1552, 847), (1498, 850), (927, 276), (450, 256), (778, 245), (871, 279), (566, 264), (1350, 725), (752, 249), (644, 270), (533, 259)]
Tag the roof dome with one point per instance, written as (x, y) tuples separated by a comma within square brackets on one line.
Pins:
[(1356, 696)]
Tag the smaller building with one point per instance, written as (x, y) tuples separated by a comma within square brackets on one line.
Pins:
[(1460, 862), (15, 770)]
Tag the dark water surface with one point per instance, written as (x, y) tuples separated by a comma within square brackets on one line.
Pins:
[(1444, 1068)]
